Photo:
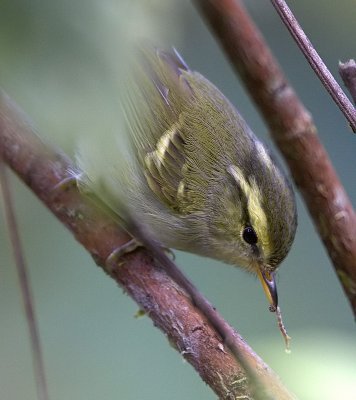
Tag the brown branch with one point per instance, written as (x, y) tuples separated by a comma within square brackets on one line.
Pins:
[(261, 386), (293, 131), (164, 301), (316, 62), (347, 71)]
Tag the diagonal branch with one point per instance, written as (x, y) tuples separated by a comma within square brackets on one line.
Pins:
[(316, 62), (293, 131), (164, 301)]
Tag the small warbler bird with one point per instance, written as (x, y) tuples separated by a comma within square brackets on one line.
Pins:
[(196, 176)]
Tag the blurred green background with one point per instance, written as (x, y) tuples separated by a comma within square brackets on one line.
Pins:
[(61, 62)]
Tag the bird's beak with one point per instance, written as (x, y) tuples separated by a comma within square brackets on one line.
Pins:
[(269, 286)]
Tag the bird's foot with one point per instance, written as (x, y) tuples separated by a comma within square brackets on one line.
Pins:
[(70, 181), (115, 259)]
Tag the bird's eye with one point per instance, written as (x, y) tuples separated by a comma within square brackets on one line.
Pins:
[(249, 235)]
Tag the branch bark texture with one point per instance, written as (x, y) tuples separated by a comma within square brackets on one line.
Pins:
[(293, 131), (165, 302)]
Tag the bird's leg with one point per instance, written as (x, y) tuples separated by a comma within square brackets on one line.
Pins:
[(169, 252), (115, 258), (71, 180)]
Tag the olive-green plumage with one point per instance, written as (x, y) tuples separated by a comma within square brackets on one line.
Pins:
[(202, 177), (195, 175)]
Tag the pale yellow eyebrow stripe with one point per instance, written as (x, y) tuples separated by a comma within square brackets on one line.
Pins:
[(256, 212)]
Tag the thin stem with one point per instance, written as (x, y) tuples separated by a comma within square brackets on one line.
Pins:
[(27, 298), (347, 71), (316, 62)]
